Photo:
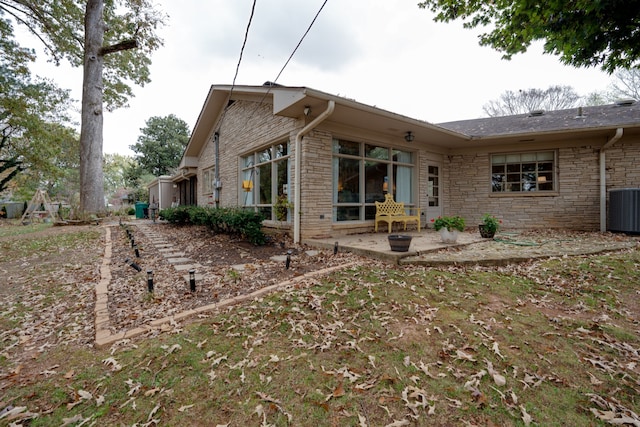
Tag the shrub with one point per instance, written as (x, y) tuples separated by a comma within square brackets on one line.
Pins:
[(449, 222), (491, 223), (235, 221), (178, 215)]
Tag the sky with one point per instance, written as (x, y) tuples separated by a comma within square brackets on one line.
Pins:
[(385, 53)]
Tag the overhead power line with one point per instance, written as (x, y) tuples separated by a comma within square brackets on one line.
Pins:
[(301, 39), (289, 59), (244, 43)]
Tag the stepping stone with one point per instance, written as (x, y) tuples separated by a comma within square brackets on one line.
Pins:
[(312, 253), (239, 267), (279, 258), (179, 260), (173, 254), (186, 267)]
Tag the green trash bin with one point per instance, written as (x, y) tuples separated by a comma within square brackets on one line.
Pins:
[(141, 207)]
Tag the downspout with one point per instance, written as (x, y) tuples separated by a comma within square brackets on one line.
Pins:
[(216, 180), (298, 160), (603, 179)]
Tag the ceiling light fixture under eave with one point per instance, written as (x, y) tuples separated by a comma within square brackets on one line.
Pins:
[(409, 136)]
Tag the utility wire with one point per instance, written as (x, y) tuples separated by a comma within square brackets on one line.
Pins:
[(301, 39), (288, 60), (244, 43)]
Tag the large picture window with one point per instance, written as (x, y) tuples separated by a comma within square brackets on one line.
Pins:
[(363, 173), (265, 180), (523, 172)]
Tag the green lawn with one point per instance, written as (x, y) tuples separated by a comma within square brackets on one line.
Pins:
[(551, 343)]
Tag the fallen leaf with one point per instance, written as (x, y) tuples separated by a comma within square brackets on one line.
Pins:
[(153, 412), (110, 361), (72, 420), (464, 356), (12, 411), (526, 418), (496, 350), (151, 392), (339, 391), (594, 380), (85, 395), (398, 423)]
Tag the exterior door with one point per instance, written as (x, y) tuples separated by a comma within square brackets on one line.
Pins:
[(434, 192)]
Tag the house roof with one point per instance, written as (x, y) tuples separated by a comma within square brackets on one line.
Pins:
[(598, 122), (592, 120), (291, 102)]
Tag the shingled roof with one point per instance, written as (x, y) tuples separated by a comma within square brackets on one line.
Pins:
[(622, 114)]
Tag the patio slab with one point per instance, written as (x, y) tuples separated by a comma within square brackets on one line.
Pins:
[(376, 245), (507, 247)]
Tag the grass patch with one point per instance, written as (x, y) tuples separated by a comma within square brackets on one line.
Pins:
[(15, 229), (545, 343)]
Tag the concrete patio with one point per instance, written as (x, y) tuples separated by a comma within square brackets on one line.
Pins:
[(376, 245), (512, 246)]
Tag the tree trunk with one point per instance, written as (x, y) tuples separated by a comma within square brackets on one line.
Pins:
[(91, 173)]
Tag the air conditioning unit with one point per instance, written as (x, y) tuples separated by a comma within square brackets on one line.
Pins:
[(624, 210)]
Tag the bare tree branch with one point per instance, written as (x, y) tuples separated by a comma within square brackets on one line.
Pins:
[(525, 101), (9, 9)]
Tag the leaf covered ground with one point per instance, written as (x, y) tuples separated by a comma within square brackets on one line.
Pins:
[(552, 342)]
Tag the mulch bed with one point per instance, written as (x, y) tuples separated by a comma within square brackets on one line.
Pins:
[(131, 304)]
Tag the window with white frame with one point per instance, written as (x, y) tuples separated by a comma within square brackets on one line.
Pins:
[(208, 176), (523, 172), (265, 180), (363, 173)]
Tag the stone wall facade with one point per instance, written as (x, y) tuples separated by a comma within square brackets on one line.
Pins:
[(575, 205), (317, 184), (622, 168), (465, 176), (246, 127)]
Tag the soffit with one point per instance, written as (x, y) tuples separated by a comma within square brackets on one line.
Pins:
[(352, 114)]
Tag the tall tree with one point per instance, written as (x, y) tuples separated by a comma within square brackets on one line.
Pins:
[(112, 40), (33, 115), (137, 178), (161, 144), (626, 85), (115, 167), (525, 101), (582, 32), (51, 163)]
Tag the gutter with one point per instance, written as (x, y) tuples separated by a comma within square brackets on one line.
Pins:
[(331, 105), (603, 178)]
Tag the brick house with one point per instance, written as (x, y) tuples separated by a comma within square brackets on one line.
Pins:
[(329, 158)]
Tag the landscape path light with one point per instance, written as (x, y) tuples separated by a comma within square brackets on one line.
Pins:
[(150, 280), (192, 280), (132, 264), (288, 262)]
